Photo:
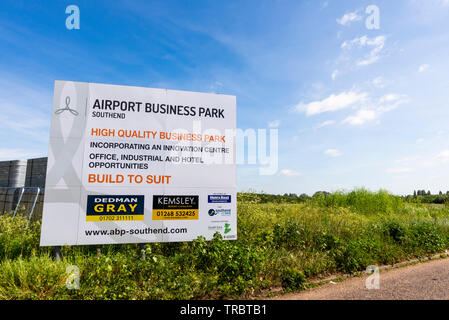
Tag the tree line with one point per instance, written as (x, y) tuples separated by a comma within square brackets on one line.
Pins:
[(422, 196), (418, 196)]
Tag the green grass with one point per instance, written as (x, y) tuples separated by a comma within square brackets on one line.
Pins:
[(280, 245)]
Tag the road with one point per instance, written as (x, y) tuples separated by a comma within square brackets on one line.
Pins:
[(423, 281)]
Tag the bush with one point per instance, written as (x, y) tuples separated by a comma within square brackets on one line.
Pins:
[(421, 238), (280, 243), (326, 242), (426, 237), (32, 278), (17, 238), (108, 277), (361, 200), (356, 255), (289, 235), (396, 231), (232, 264), (293, 279)]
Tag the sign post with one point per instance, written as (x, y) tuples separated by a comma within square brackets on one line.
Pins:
[(137, 165)]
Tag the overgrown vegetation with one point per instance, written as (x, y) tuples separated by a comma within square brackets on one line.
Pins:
[(281, 243)]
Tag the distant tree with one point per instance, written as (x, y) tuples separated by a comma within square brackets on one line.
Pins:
[(427, 197), (320, 193), (304, 197)]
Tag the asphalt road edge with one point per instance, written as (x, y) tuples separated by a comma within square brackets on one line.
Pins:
[(318, 282)]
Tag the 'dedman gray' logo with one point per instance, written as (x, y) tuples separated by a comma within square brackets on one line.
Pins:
[(67, 103)]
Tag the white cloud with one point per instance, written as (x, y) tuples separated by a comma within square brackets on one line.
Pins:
[(431, 3), (443, 156), (290, 173), (440, 159), (385, 104), (368, 109), (216, 86), (391, 101), (274, 124), (16, 154), (361, 117), (334, 74), (399, 170), (26, 115), (378, 82), (389, 97), (377, 44), (332, 103), (422, 163), (325, 124), (334, 153), (403, 160), (348, 18), (424, 67), (420, 140)]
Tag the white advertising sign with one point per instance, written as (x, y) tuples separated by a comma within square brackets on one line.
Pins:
[(135, 165)]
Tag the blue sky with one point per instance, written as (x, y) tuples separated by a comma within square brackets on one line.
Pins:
[(354, 107)]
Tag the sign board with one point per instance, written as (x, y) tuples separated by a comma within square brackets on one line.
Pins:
[(134, 165)]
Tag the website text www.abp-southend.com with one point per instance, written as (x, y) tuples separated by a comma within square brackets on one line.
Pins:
[(122, 232)]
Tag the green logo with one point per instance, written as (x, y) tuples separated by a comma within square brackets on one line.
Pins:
[(227, 228)]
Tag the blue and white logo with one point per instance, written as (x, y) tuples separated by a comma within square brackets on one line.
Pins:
[(221, 212), (219, 198)]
